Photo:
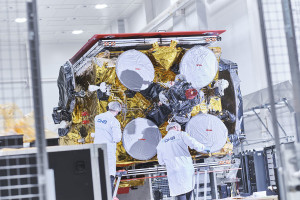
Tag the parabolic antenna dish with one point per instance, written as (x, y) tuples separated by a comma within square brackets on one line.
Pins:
[(199, 65), (135, 70), (140, 138), (208, 130)]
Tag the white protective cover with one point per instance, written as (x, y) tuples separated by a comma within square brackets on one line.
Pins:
[(199, 65), (208, 130), (135, 70), (140, 138)]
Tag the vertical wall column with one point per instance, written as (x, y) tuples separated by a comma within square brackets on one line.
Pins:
[(179, 20), (149, 10), (121, 26), (202, 14)]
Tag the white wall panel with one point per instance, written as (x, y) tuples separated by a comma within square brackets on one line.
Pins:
[(52, 57), (137, 20)]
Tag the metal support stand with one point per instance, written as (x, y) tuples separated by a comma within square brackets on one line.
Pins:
[(119, 175), (197, 181), (42, 158), (261, 121), (245, 169), (205, 184), (291, 109), (279, 124), (213, 185), (267, 106)]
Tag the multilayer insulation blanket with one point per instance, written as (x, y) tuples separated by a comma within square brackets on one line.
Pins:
[(137, 79)]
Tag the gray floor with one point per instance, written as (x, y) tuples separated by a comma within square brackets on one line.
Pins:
[(142, 193)]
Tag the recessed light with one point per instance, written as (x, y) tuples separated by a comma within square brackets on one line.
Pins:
[(76, 32), (20, 20), (100, 6)]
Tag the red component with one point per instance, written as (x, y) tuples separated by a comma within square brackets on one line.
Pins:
[(85, 114), (142, 139), (98, 37), (85, 121), (208, 129), (191, 93), (123, 190)]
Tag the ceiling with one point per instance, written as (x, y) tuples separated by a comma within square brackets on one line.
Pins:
[(58, 18)]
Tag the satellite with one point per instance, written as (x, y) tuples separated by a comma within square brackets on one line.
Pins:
[(158, 78)]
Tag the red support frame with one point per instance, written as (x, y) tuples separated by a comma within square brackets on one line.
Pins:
[(91, 42)]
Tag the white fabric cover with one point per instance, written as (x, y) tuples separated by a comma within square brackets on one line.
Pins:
[(108, 131), (140, 138), (135, 70), (173, 152), (208, 130), (199, 65)]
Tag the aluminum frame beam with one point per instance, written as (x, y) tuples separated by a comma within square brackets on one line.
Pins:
[(261, 121), (41, 155), (293, 58), (272, 103)]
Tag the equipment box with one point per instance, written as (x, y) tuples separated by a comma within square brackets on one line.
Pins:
[(11, 141), (80, 172)]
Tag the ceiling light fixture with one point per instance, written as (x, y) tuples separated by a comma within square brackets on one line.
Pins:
[(76, 32), (20, 20), (100, 6)]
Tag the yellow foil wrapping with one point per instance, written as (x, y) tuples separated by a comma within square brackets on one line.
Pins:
[(162, 57), (132, 183), (165, 56), (66, 140), (217, 51), (88, 105), (10, 113), (214, 104), (163, 76), (227, 149), (13, 122), (76, 114)]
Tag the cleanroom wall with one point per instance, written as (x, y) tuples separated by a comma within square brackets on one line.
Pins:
[(240, 43), (52, 57)]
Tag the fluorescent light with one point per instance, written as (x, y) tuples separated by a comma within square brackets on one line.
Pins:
[(76, 32), (100, 6), (20, 20)]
